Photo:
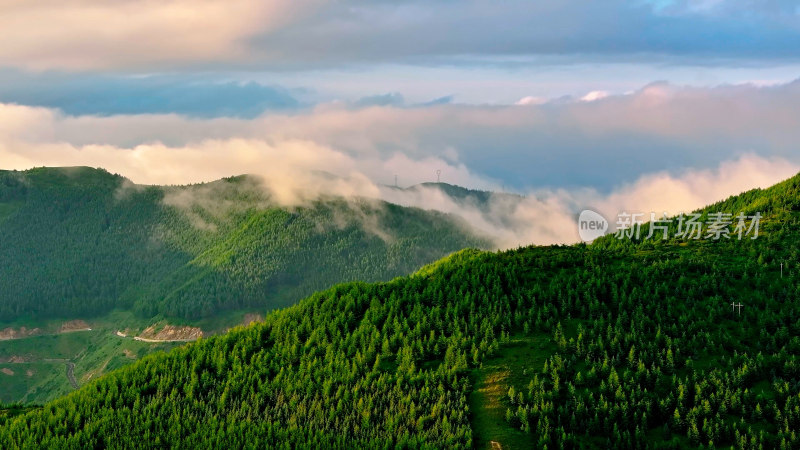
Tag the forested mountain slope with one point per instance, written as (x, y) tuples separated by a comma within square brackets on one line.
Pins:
[(80, 242), (478, 198), (636, 345)]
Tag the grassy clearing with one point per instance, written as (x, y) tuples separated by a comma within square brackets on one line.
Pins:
[(33, 369), (38, 363), (21, 380), (112, 352), (514, 365), (38, 373)]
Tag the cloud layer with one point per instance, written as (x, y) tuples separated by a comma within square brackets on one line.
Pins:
[(195, 96), (151, 35), (609, 154), (602, 143), (96, 34)]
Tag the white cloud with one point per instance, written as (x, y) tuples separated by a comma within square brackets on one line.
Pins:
[(366, 148), (153, 35), (99, 34), (594, 96), (693, 188), (529, 100), (614, 140)]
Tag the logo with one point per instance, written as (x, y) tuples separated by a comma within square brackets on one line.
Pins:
[(591, 225)]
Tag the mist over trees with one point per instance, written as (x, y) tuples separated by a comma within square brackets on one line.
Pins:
[(80, 242), (646, 352)]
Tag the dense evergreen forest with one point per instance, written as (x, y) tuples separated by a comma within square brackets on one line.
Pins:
[(644, 351), (79, 242)]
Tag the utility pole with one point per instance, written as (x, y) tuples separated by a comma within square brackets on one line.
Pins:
[(740, 308), (781, 270), (438, 172), (395, 181)]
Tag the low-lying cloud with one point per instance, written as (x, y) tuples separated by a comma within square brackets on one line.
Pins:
[(549, 216), (663, 148), (603, 143)]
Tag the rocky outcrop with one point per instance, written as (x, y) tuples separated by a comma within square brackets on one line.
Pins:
[(169, 333)]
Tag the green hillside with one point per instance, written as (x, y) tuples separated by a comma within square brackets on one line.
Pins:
[(80, 242), (617, 344), (480, 200)]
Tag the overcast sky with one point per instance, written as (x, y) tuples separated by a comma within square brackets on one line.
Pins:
[(521, 95)]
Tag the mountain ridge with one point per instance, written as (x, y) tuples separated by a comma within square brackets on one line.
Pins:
[(638, 347), (224, 237)]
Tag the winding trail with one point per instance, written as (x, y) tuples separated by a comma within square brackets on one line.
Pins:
[(153, 341), (157, 341), (71, 375)]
